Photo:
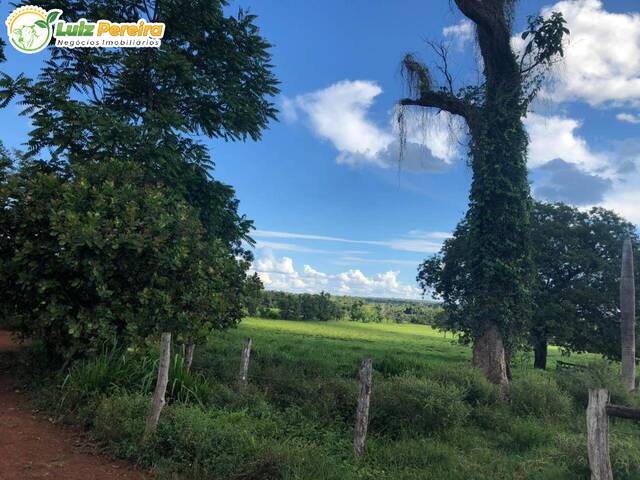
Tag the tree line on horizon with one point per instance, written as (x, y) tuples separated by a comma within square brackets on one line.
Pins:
[(325, 307)]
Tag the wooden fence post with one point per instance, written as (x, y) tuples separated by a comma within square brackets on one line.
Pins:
[(244, 362), (598, 435), (191, 346), (362, 414), (628, 316), (161, 386)]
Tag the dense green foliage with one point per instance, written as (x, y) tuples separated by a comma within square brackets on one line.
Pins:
[(577, 257), (292, 306), (432, 415), (96, 252), (324, 307), (122, 230)]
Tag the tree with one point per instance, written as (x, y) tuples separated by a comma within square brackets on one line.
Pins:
[(146, 108), (211, 76), (498, 296), (576, 256), (98, 253)]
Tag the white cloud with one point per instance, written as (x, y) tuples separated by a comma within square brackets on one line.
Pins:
[(287, 247), (350, 282), (308, 270), (415, 241), (625, 201), (340, 114), (554, 137), (628, 117), (462, 33), (602, 57), (269, 264), (609, 177), (288, 109)]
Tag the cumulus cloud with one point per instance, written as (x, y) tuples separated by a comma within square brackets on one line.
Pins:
[(602, 57), (279, 276), (554, 137), (269, 264), (461, 33), (568, 169), (340, 114), (628, 117)]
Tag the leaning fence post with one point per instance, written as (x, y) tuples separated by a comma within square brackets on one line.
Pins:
[(362, 414), (161, 386), (244, 362), (598, 435)]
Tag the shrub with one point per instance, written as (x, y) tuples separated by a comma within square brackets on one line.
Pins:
[(204, 444), (408, 405), (538, 394), (625, 455), (97, 251), (577, 382), (524, 434), (120, 422), (475, 387)]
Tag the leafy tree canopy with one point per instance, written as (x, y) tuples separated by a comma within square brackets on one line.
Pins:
[(212, 76), (577, 258), (97, 253)]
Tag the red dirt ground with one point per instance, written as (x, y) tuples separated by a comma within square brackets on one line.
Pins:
[(31, 447)]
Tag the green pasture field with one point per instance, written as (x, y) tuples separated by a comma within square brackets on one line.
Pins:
[(432, 415)]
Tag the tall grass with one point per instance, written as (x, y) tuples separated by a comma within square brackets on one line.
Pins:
[(118, 371), (432, 415)]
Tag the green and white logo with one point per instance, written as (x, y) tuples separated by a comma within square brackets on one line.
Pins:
[(30, 28)]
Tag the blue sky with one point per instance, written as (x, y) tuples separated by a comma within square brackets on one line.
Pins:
[(333, 207)]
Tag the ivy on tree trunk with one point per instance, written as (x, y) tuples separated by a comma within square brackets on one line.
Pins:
[(498, 303)]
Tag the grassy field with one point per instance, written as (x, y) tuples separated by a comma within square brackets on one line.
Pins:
[(432, 415), (417, 347)]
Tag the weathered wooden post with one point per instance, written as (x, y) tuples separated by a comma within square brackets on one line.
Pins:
[(362, 414), (161, 386), (628, 314), (244, 363), (191, 346), (598, 435)]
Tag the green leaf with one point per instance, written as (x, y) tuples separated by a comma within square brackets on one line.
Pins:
[(525, 35), (53, 16), (41, 24)]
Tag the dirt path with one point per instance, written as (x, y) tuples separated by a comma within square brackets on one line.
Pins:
[(31, 447)]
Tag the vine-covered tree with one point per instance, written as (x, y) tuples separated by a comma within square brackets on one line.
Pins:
[(498, 298), (576, 255)]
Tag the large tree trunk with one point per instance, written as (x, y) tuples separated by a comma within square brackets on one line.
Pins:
[(628, 313), (540, 348), (489, 356)]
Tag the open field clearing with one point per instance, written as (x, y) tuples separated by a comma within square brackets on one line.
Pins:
[(432, 416)]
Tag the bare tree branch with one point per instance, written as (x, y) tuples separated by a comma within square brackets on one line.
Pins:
[(443, 100), (442, 50)]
